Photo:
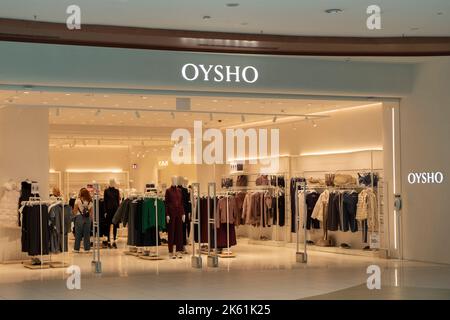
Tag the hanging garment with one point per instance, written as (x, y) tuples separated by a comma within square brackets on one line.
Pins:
[(269, 210), (293, 194), (334, 212), (262, 180), (8, 205), (321, 207), (222, 241), (187, 210), (131, 212), (203, 220), (239, 198), (57, 224), (122, 214), (367, 209), (365, 179), (349, 203), (311, 200), (149, 214), (242, 181), (226, 205), (246, 209), (281, 210), (32, 228)]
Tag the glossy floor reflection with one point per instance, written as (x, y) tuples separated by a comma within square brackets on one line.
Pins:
[(257, 272)]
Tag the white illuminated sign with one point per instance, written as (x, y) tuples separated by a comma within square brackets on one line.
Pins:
[(163, 163), (219, 73), (425, 178)]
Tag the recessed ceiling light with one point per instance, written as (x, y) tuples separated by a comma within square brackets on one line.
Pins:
[(26, 92), (334, 11), (67, 94), (233, 4), (215, 100)]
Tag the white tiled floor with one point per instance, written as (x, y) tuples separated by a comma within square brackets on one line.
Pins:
[(258, 272)]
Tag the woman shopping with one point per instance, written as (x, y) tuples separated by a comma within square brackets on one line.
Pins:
[(83, 211)]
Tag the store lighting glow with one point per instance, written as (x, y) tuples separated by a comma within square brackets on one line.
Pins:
[(394, 175), (343, 151), (113, 170), (370, 105), (256, 158), (51, 171)]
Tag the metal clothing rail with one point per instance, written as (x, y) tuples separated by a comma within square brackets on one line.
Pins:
[(196, 260)]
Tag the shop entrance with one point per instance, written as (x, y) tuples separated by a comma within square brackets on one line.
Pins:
[(344, 150)]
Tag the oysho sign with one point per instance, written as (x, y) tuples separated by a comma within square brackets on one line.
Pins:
[(219, 73), (425, 177)]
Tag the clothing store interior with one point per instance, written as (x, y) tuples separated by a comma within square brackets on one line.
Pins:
[(107, 182)]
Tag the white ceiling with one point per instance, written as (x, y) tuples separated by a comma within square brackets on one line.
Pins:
[(283, 17), (82, 119)]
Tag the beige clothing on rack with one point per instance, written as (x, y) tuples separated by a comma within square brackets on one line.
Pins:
[(321, 206), (367, 208)]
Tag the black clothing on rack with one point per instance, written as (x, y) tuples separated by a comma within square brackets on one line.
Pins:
[(349, 204), (32, 229), (111, 198), (311, 200)]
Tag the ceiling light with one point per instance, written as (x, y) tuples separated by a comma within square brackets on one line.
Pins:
[(206, 17), (215, 100), (57, 112), (67, 94), (274, 119), (242, 118), (144, 97), (314, 124), (334, 11), (210, 117), (172, 115), (97, 113), (105, 96), (233, 4), (26, 92), (137, 114)]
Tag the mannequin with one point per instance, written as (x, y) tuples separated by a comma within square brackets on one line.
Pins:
[(175, 217), (183, 182), (111, 204)]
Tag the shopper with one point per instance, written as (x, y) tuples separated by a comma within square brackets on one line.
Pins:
[(83, 211)]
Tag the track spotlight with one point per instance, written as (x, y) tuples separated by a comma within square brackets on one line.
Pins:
[(242, 118), (58, 111), (210, 117), (172, 115), (137, 114), (314, 124), (274, 119), (97, 113)]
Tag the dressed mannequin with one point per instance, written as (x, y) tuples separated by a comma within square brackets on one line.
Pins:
[(111, 198), (175, 217), (183, 182)]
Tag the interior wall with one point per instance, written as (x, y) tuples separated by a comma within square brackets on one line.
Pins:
[(24, 155), (24, 146), (425, 133)]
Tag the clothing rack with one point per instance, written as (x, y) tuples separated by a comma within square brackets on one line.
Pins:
[(213, 259), (38, 201)]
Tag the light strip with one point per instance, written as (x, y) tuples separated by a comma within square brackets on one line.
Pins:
[(93, 146), (331, 152), (113, 170), (394, 175), (348, 109), (257, 158)]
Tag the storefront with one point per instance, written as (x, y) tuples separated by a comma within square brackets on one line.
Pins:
[(78, 116)]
